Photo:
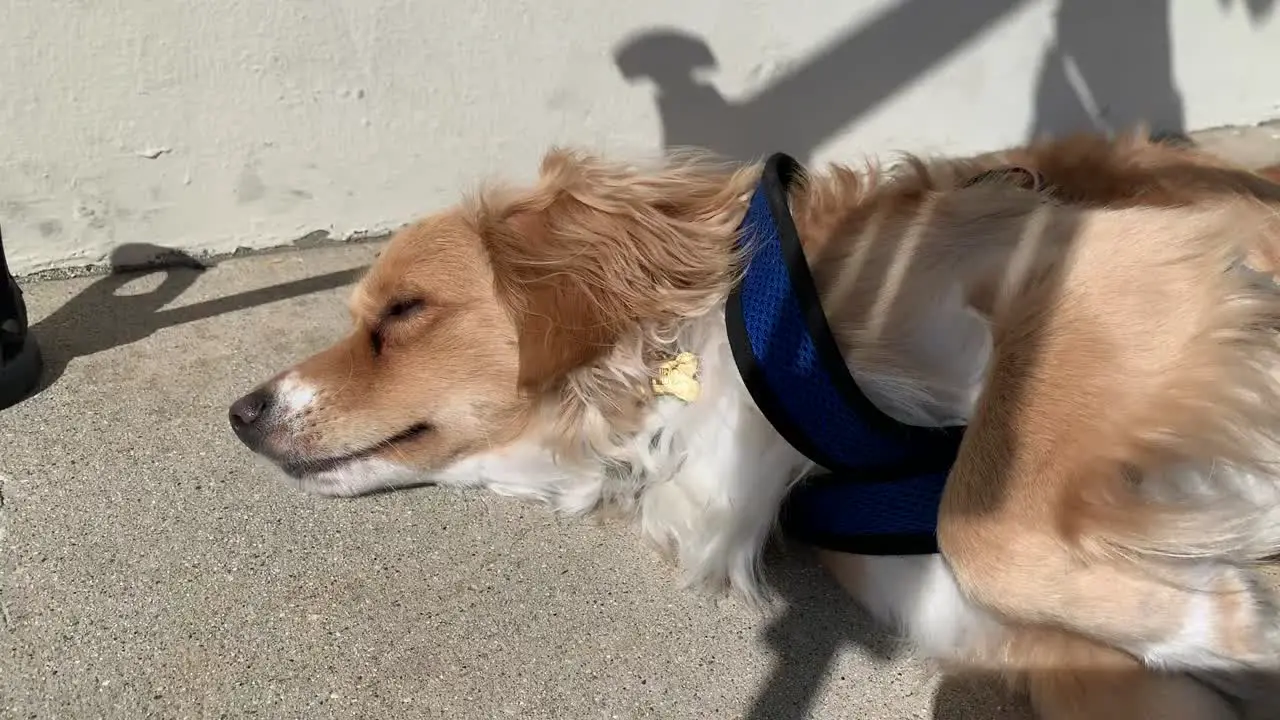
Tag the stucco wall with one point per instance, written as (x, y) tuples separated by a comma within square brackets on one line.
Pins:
[(249, 123)]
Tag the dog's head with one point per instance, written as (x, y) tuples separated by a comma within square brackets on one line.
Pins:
[(471, 318), (427, 373)]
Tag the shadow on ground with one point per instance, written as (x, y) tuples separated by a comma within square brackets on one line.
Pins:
[(102, 317), (817, 623)]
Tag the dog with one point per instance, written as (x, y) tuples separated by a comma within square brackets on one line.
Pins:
[(1078, 304)]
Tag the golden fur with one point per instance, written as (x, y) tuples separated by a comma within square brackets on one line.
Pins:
[(1122, 348)]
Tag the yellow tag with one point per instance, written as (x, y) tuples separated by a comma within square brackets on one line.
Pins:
[(678, 377)]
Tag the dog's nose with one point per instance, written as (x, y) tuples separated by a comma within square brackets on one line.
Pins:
[(246, 415)]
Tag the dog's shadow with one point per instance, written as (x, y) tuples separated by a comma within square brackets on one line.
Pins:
[(817, 622)]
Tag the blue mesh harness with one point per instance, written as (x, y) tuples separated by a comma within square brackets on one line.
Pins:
[(881, 481)]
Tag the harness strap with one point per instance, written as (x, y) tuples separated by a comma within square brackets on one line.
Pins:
[(882, 480)]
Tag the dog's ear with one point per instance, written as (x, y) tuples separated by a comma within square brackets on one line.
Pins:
[(562, 321), (596, 249)]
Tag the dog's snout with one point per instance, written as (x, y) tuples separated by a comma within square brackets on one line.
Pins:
[(247, 413), (248, 409)]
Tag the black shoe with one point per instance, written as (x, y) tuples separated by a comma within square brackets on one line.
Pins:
[(20, 362)]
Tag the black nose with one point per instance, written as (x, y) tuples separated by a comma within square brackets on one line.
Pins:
[(246, 416)]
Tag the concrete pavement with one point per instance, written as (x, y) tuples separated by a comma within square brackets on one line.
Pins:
[(153, 568)]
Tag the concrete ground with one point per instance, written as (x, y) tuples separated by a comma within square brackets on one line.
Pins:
[(153, 568)]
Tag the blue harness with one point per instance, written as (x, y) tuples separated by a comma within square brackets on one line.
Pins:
[(882, 480)]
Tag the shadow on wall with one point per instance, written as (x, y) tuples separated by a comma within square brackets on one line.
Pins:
[(1108, 75), (1108, 68), (812, 103), (1259, 11)]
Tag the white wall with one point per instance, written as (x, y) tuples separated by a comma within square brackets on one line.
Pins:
[(219, 124)]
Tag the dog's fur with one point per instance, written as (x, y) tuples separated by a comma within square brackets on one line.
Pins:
[(1115, 485)]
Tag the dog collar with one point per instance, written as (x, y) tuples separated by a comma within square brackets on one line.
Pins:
[(882, 480)]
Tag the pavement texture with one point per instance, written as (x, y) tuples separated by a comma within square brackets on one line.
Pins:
[(153, 568)]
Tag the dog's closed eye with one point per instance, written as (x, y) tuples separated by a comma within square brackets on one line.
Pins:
[(402, 309), (396, 312)]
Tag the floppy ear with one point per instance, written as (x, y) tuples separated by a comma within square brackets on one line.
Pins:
[(562, 322), (560, 319), (597, 249)]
